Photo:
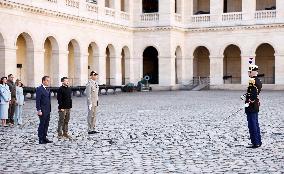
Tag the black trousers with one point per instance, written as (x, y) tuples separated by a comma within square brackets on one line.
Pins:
[(43, 126)]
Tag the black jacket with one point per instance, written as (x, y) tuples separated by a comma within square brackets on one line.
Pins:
[(253, 91), (64, 97)]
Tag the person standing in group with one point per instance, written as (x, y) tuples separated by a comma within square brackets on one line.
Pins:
[(92, 91), (12, 104), (64, 99), (5, 98), (43, 106), (20, 101), (252, 106)]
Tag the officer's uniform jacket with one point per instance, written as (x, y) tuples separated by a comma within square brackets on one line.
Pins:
[(253, 91), (92, 92)]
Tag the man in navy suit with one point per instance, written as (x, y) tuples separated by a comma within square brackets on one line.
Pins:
[(43, 106)]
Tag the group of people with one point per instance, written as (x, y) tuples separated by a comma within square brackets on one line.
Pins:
[(43, 106), (11, 101)]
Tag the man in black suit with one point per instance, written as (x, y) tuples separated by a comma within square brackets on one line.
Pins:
[(43, 106)]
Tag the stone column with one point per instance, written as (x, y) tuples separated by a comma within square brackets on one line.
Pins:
[(245, 65), (8, 61), (279, 69), (129, 73), (101, 11), (101, 66), (188, 71), (216, 70), (216, 10), (81, 68), (249, 9), (187, 11), (115, 71), (135, 11), (117, 7), (60, 67), (280, 11), (166, 12), (35, 64), (166, 71)]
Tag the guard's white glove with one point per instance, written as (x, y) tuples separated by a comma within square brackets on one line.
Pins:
[(246, 105), (90, 107), (243, 97)]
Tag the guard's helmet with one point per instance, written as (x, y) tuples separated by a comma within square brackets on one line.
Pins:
[(253, 68)]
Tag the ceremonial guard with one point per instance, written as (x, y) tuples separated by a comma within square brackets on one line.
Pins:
[(252, 106)]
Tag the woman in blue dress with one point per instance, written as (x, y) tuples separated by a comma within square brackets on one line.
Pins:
[(5, 97)]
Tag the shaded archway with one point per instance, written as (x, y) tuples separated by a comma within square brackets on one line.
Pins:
[(232, 65), (73, 62), (150, 6), (265, 59), (50, 57), (93, 56), (201, 62), (201, 7), (178, 65), (25, 59), (2, 56), (110, 66), (265, 4), (151, 64)]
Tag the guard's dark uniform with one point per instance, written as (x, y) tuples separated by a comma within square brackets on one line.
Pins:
[(252, 110)]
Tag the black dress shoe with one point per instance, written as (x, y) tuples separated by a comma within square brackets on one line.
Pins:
[(91, 132), (47, 141), (42, 142), (254, 146)]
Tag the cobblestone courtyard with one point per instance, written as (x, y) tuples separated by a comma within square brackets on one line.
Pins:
[(158, 132)]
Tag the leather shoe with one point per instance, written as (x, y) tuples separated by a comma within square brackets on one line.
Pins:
[(42, 142), (47, 141), (91, 132), (254, 146)]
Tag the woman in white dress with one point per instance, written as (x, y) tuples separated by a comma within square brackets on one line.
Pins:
[(20, 101), (5, 97)]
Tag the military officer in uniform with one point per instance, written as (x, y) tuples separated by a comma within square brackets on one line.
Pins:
[(252, 106), (92, 91)]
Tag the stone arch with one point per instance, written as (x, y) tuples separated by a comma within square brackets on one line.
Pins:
[(110, 64), (73, 62), (265, 59), (151, 64), (93, 57), (25, 59), (232, 64), (201, 62), (51, 57)]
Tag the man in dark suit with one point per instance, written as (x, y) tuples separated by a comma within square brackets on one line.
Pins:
[(43, 106)]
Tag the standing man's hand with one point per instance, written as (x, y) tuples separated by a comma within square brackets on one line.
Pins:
[(62, 110), (39, 113)]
